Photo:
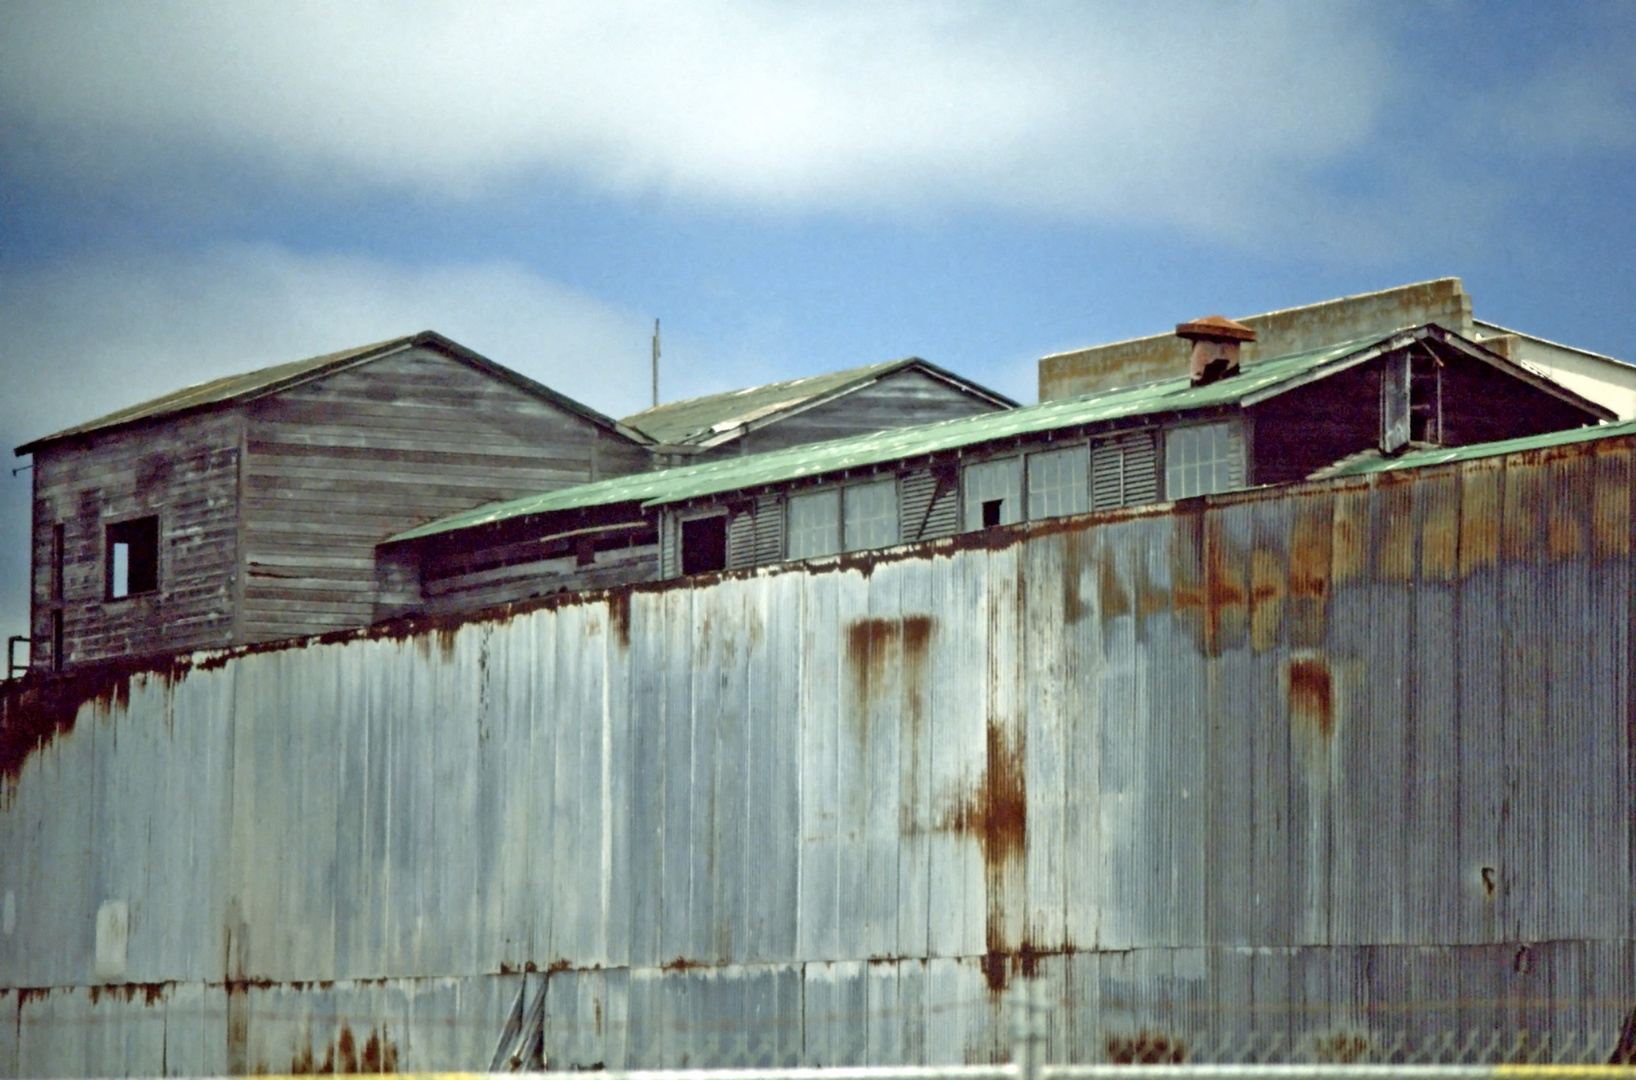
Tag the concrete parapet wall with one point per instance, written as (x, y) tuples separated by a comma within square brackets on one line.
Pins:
[(1279, 333)]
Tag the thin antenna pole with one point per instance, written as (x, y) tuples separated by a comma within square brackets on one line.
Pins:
[(656, 363)]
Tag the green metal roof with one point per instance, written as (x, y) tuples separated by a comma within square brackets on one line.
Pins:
[(700, 419), (1257, 381), (235, 389), (1419, 459)]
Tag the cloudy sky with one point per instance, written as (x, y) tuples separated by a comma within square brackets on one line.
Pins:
[(189, 190)]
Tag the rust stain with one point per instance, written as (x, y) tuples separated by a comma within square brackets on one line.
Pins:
[(1146, 1048), (1267, 591), (1227, 592), (1311, 541), (1479, 517), (876, 648), (996, 815), (1610, 505), (1349, 536), (1311, 696), (1112, 597), (1520, 523), (1565, 524), (1440, 528), (1395, 549), (38, 708), (1076, 552), (684, 964), (152, 993)]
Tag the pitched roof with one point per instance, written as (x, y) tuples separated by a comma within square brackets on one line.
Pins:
[(1256, 383), (717, 418), (1419, 459), (238, 389)]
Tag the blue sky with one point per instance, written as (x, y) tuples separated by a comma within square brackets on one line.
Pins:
[(192, 190)]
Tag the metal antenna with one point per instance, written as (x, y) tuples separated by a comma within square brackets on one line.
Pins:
[(656, 363)]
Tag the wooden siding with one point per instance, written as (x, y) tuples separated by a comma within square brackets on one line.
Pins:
[(1313, 426), (901, 400), (337, 465), (187, 475)]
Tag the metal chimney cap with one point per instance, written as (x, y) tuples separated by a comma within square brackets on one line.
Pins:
[(1214, 328)]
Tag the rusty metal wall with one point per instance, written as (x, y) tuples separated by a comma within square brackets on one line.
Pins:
[(1353, 756)]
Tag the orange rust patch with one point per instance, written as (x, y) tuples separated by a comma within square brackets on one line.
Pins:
[(1267, 589), (1394, 551), (1523, 506), (1565, 524), (996, 815), (36, 709), (1146, 1048), (1610, 505), (1440, 528), (1309, 570), (1311, 696), (1076, 550), (877, 646), (1111, 595), (1349, 536), (1479, 517)]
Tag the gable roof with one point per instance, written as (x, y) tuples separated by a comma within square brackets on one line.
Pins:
[(718, 418), (1171, 397), (251, 385)]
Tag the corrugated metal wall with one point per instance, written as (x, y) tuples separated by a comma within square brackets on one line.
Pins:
[(1353, 757)]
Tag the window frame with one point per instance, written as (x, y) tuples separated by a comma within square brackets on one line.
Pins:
[(1234, 461), (125, 533)]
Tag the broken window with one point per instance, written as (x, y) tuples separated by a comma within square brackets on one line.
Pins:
[(871, 515), (814, 524), (132, 558), (1059, 482), (993, 493), (1203, 459), (704, 544)]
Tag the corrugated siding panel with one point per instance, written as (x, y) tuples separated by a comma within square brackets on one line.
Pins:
[(1206, 762)]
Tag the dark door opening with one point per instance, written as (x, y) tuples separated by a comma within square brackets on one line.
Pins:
[(704, 544)]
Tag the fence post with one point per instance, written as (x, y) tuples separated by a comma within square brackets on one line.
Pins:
[(1028, 1028)]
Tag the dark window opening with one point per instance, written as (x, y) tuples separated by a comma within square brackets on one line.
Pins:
[(133, 558), (704, 544), (991, 512), (57, 657), (585, 552)]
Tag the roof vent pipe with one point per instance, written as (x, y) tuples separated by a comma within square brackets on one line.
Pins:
[(1215, 347)]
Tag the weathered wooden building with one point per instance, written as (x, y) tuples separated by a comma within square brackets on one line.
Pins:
[(248, 509), (818, 408), (1339, 763), (1278, 420)]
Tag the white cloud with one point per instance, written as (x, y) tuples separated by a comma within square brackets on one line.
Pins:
[(88, 336), (1176, 113)]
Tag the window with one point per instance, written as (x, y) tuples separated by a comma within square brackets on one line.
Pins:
[(814, 524), (871, 515), (1059, 482), (133, 558), (1202, 459), (993, 493), (704, 544)]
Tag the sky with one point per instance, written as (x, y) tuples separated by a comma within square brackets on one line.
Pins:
[(189, 191)]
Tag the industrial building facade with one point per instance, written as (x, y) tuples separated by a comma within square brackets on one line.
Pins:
[(1341, 759)]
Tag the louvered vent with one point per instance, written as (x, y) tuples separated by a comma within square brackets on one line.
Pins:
[(669, 565), (944, 517), (769, 530), (1125, 471), (741, 538), (915, 494)]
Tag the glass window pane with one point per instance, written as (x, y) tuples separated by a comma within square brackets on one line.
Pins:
[(993, 493), (814, 524), (1059, 482), (1201, 460), (871, 515)]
